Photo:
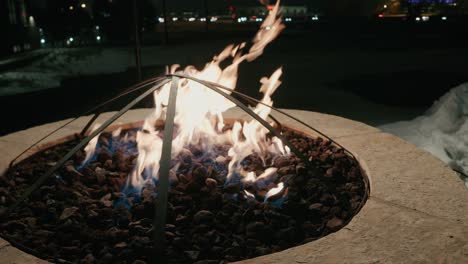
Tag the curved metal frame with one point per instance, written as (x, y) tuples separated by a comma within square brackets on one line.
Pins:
[(163, 185)]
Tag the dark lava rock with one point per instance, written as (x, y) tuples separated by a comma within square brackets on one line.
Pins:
[(232, 187), (203, 216)]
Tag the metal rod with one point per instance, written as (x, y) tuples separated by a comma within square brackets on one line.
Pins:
[(90, 122), (250, 101), (256, 117), (126, 92), (159, 221), (38, 183)]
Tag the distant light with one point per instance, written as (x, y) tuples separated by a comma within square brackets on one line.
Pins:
[(444, 18), (98, 38), (83, 5), (213, 19), (32, 22), (97, 27), (71, 8), (175, 18), (315, 18), (242, 19), (71, 39), (385, 6), (203, 19), (288, 19), (191, 19), (381, 15), (418, 19), (259, 19), (42, 41), (425, 18), (161, 20)]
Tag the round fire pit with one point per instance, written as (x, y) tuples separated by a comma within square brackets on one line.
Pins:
[(87, 212), (391, 221)]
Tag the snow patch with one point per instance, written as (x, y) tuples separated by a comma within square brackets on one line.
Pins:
[(59, 64), (442, 130)]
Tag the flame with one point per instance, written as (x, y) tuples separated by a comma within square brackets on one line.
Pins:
[(199, 114), (249, 195), (268, 175), (91, 146), (116, 133), (251, 177), (274, 191)]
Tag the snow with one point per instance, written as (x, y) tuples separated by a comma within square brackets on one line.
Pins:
[(442, 130), (59, 64)]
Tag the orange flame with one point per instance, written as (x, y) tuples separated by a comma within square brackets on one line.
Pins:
[(199, 112)]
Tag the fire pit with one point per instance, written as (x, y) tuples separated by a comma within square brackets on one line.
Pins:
[(395, 222), (187, 184), (85, 213)]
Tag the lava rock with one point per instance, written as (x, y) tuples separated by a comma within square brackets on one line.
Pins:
[(68, 212), (335, 223), (203, 216), (211, 183)]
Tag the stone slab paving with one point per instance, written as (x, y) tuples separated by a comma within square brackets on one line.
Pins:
[(417, 211)]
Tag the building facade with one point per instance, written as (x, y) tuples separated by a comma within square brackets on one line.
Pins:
[(16, 26)]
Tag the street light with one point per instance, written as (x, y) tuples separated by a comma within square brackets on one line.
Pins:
[(83, 5)]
